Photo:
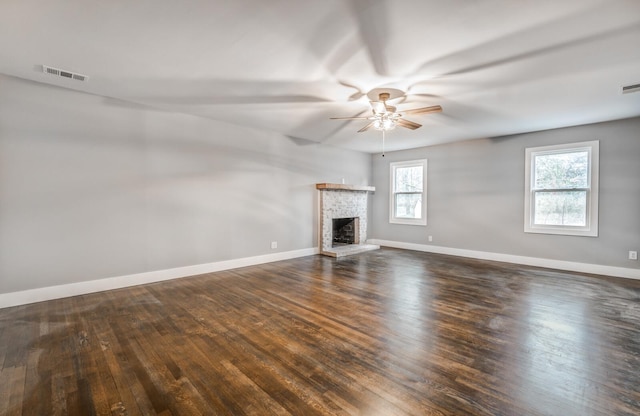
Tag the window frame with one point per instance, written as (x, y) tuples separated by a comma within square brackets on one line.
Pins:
[(393, 166), (590, 229)]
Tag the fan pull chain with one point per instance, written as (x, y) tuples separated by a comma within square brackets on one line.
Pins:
[(383, 143)]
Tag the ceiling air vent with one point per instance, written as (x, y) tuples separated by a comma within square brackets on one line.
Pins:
[(628, 89), (62, 73)]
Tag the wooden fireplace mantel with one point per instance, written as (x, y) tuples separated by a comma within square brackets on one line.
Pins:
[(344, 187)]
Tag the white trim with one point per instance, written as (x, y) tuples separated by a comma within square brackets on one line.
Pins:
[(591, 228), (82, 288), (392, 174), (510, 258)]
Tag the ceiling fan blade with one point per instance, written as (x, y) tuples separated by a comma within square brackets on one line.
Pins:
[(348, 118), (378, 107), (365, 128), (423, 110), (408, 124)]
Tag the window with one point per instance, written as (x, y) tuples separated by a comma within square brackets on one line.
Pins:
[(408, 199), (561, 189)]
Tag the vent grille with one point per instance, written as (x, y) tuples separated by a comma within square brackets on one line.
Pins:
[(63, 73), (630, 88)]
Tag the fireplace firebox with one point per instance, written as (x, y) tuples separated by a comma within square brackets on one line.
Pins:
[(345, 231)]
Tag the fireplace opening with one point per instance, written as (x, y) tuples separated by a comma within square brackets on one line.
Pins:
[(345, 231)]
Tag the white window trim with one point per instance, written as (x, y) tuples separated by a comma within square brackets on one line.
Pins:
[(408, 221), (591, 227)]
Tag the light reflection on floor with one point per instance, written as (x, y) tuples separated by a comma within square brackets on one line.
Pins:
[(557, 354)]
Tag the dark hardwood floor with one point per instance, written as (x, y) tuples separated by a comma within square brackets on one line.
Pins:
[(387, 332)]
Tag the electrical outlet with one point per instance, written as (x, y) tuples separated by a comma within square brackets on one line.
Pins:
[(633, 255), (274, 244), (430, 238)]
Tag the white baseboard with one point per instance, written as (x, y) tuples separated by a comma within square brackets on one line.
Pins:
[(82, 288), (509, 258), (74, 289)]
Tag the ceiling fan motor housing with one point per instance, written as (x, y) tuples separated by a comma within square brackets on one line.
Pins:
[(385, 116)]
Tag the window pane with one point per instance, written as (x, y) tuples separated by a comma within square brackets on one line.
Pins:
[(408, 206), (562, 170), (408, 179), (560, 208)]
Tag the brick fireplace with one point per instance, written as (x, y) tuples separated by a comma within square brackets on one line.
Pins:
[(344, 205)]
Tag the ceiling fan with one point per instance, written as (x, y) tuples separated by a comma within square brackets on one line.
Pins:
[(386, 117)]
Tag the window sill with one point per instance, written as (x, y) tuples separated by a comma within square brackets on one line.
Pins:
[(562, 231), (407, 221)]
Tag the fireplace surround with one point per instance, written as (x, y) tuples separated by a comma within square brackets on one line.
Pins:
[(339, 201)]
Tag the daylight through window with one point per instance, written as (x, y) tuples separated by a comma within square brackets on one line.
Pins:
[(408, 193), (562, 189)]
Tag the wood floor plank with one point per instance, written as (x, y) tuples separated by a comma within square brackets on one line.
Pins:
[(215, 347), (123, 391), (389, 332), (15, 380), (58, 403)]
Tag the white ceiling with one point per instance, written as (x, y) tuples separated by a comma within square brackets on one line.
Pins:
[(496, 67)]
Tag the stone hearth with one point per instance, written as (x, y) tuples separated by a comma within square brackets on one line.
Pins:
[(343, 201)]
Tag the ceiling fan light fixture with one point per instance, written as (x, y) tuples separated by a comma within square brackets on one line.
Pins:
[(385, 117), (384, 123)]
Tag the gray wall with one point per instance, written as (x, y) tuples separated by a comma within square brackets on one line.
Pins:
[(92, 188), (476, 196)]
